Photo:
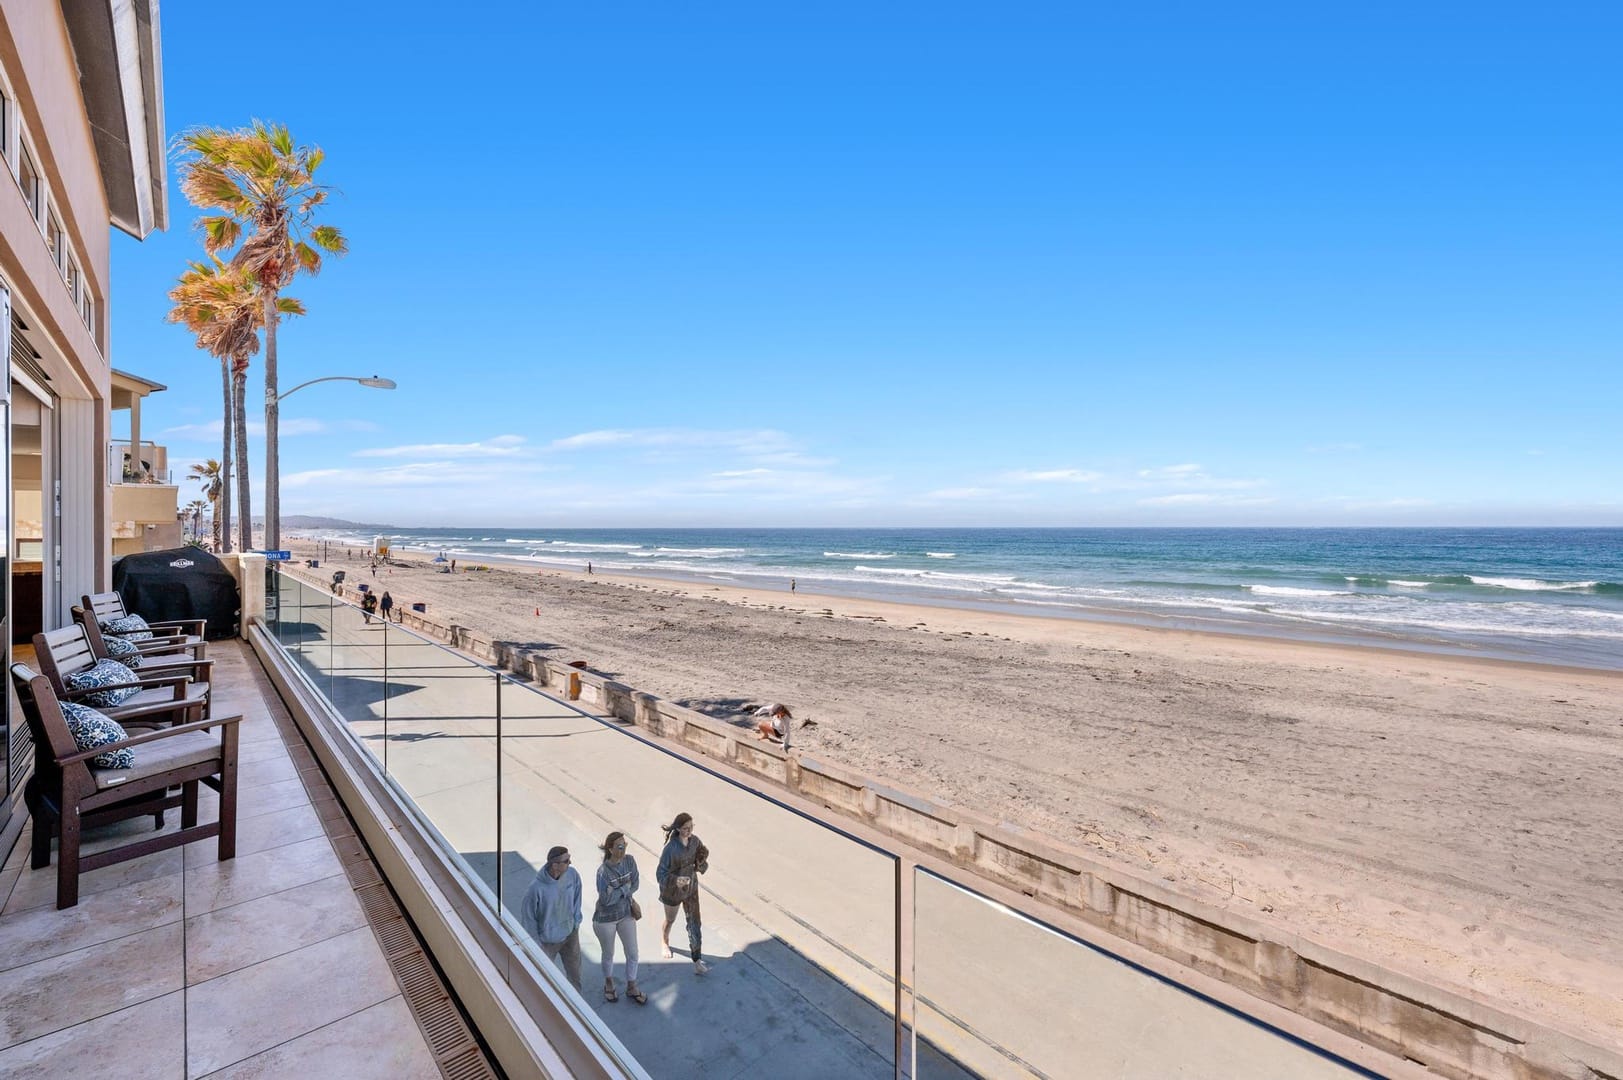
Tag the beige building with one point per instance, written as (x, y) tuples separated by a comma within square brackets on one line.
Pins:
[(82, 141)]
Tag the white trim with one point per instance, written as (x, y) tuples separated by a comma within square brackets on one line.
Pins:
[(127, 39)]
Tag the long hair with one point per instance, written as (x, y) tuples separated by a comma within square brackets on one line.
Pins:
[(681, 820), (607, 847)]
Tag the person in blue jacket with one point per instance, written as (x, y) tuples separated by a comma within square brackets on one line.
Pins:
[(617, 913)]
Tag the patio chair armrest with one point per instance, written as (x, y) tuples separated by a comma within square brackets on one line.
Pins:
[(146, 737), (182, 624)]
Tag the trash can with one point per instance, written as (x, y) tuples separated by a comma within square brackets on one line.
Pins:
[(419, 608)]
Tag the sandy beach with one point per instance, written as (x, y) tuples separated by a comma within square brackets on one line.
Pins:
[(1453, 818)]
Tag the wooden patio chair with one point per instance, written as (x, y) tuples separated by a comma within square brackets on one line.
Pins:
[(165, 654), (172, 696), (109, 605), (67, 793)]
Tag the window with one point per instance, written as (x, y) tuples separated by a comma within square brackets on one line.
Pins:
[(57, 241), (87, 312), (5, 123), (28, 178), (75, 280)]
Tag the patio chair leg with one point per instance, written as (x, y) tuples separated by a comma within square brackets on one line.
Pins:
[(188, 804), (67, 861), (228, 793), (40, 848)]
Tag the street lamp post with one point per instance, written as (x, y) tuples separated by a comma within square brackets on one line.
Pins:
[(273, 470)]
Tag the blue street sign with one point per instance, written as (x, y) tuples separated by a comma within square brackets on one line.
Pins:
[(277, 556)]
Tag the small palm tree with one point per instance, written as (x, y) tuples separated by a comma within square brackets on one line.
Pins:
[(216, 481), (221, 305), (258, 179), (193, 512)]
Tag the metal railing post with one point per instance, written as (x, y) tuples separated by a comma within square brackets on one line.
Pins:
[(501, 868)]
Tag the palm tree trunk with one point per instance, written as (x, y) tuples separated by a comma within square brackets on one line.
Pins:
[(222, 505), (245, 519), (273, 450)]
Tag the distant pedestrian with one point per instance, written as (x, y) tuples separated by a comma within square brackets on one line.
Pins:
[(369, 605), (791, 584), (588, 568), (374, 568), (551, 912), (386, 605), (684, 858), (617, 913), (337, 580), (453, 566)]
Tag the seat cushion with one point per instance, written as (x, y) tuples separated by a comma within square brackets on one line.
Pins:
[(104, 673), (131, 626), (196, 694), (161, 755), (122, 650), (91, 729)]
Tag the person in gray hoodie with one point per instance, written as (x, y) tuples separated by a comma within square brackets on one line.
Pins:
[(551, 912)]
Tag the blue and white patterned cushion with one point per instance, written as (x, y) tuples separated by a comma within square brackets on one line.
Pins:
[(104, 673), (91, 729), (125, 653), (131, 626)]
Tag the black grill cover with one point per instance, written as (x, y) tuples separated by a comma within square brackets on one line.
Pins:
[(182, 583)]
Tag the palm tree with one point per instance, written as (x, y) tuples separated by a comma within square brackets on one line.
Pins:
[(258, 179), (216, 480), (193, 512), (221, 304)]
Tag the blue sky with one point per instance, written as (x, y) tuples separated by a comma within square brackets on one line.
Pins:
[(1014, 264)]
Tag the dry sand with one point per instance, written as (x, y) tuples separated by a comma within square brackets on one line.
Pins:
[(1456, 819)]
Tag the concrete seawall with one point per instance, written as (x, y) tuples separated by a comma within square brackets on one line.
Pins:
[(1444, 1030)]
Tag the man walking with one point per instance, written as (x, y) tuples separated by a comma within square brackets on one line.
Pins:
[(551, 912)]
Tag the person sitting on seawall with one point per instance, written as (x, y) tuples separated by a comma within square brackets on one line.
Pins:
[(776, 724)]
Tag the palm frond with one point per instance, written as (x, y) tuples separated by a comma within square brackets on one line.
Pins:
[(287, 305), (309, 258), (329, 239)]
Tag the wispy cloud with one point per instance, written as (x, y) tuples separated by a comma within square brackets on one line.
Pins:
[(290, 428), (962, 493), (1053, 476), (757, 442), (499, 446), (1206, 498)]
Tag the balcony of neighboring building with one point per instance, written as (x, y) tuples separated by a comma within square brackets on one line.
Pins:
[(145, 501)]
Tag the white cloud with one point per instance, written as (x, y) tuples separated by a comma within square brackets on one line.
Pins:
[(500, 446), (1205, 498), (292, 427), (1053, 476), (754, 443)]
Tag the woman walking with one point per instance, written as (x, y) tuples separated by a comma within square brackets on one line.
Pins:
[(684, 858), (617, 913)]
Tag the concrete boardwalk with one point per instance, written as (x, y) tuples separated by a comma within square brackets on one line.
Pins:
[(178, 965), (800, 921)]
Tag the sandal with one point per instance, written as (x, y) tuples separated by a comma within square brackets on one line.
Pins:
[(635, 994), (609, 995)]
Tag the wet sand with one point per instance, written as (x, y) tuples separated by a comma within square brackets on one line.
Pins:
[(1457, 819)]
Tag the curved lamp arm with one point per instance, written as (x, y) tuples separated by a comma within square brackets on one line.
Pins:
[(375, 381)]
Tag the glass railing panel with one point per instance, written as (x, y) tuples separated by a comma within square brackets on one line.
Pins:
[(436, 736), (357, 678), (797, 921), (997, 993)]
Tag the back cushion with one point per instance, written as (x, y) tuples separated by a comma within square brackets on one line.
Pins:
[(91, 729), (104, 673)]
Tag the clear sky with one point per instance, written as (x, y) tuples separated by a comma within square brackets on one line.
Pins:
[(877, 264)]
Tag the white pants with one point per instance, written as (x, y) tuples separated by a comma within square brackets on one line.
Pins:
[(626, 928)]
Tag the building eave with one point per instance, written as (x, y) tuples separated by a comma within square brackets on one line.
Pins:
[(116, 46)]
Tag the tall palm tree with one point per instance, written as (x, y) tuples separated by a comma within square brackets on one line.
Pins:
[(257, 179), (193, 512), (216, 479), (221, 305)]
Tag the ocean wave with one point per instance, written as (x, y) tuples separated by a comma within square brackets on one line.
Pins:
[(859, 554), (942, 554), (584, 545), (1375, 581), (940, 575), (1531, 584), (1288, 590)]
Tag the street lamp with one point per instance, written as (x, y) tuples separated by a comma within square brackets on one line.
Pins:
[(273, 474)]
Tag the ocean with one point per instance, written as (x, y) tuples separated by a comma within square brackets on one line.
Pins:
[(1548, 595)]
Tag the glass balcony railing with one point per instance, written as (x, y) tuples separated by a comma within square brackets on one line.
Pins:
[(803, 923)]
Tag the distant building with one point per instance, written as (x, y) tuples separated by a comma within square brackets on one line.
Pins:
[(82, 140)]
